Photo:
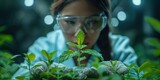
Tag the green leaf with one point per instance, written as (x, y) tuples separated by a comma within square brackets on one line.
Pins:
[(72, 44), (54, 69), (14, 56), (49, 56), (67, 54), (81, 46), (45, 54), (70, 74), (96, 65), (47, 75), (80, 37), (114, 63), (131, 66), (31, 57), (82, 58), (145, 66), (148, 74), (52, 54), (37, 65), (130, 78), (5, 38), (7, 55), (96, 59), (137, 71), (157, 52), (154, 22), (151, 73), (93, 52), (20, 78), (153, 42), (96, 62)]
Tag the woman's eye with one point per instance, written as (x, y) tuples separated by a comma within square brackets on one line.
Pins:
[(92, 22), (69, 22)]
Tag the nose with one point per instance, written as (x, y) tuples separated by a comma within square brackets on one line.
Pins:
[(82, 27)]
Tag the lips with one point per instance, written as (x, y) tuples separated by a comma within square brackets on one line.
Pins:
[(86, 43)]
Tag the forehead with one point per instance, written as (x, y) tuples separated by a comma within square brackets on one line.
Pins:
[(80, 8)]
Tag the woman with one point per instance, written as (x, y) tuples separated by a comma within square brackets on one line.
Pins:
[(92, 16)]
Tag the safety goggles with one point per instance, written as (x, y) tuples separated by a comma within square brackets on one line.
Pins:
[(90, 24)]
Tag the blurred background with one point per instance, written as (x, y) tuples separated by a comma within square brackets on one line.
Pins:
[(23, 21)]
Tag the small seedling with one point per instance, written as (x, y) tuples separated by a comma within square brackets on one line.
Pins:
[(80, 36)]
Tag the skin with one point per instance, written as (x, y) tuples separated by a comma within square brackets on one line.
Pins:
[(81, 8)]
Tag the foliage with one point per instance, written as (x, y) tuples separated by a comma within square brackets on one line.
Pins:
[(150, 69), (154, 42), (147, 71), (104, 70), (149, 48), (80, 50), (4, 37), (7, 65), (100, 70), (154, 23)]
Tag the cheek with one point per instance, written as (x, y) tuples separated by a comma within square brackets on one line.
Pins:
[(92, 38)]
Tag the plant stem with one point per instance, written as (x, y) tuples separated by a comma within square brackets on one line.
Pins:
[(138, 75), (79, 55), (58, 78)]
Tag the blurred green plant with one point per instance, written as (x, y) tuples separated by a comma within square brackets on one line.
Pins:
[(105, 70), (49, 70), (147, 71), (150, 69), (149, 48), (154, 42), (30, 57), (4, 37), (154, 23), (7, 64)]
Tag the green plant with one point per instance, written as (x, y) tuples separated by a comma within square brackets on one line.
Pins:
[(7, 64), (80, 50), (104, 70), (150, 69), (28, 58), (147, 71), (51, 70), (154, 42), (4, 37)]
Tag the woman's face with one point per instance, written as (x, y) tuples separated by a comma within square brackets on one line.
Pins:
[(82, 9)]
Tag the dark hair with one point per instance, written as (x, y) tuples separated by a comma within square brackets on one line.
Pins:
[(105, 6)]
